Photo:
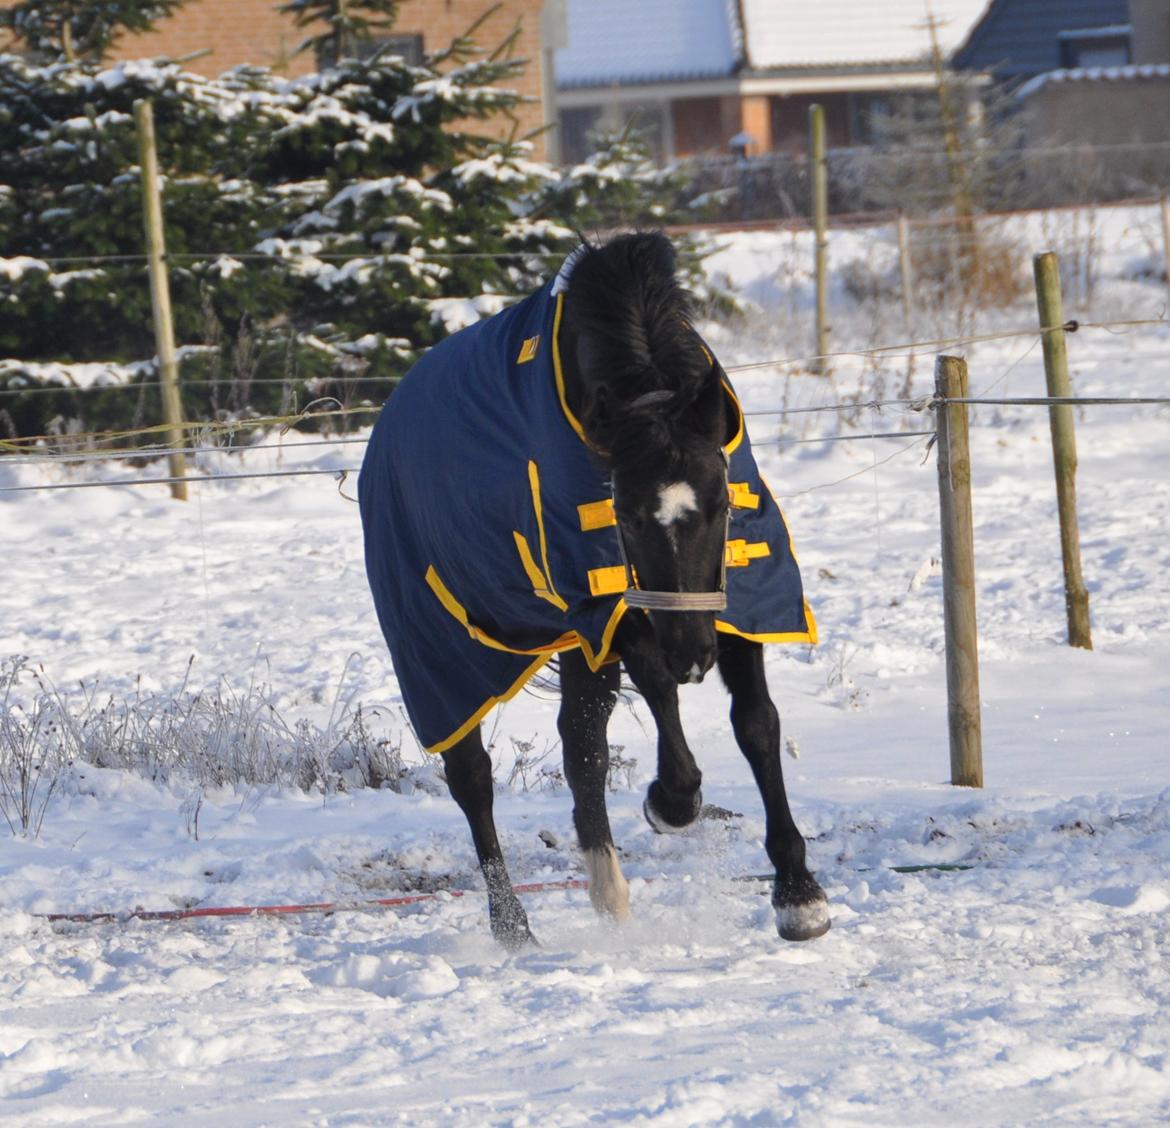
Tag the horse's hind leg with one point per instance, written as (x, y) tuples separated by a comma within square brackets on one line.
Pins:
[(587, 700), (469, 777), (802, 911)]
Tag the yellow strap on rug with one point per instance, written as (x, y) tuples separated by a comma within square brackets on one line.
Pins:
[(597, 515), (740, 553), (607, 581), (741, 496)]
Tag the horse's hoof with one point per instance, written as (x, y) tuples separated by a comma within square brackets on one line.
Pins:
[(666, 817), (517, 941), (509, 923), (805, 921), (513, 939)]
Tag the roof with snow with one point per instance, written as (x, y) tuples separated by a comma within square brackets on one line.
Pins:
[(831, 33), (633, 41), (643, 41), (1131, 73)]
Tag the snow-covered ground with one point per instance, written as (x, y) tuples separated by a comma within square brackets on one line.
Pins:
[(1030, 988)]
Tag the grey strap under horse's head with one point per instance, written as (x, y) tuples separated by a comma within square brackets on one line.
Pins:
[(674, 600)]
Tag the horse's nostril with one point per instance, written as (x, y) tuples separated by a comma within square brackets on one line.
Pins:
[(693, 672)]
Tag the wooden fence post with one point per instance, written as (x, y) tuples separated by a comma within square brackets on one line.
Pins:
[(160, 296), (820, 216), (907, 271), (964, 719), (1046, 268), (1166, 239)]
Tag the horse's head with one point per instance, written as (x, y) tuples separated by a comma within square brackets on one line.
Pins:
[(671, 505), (650, 399)]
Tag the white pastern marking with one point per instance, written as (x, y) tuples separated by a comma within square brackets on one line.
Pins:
[(608, 890), (674, 502)]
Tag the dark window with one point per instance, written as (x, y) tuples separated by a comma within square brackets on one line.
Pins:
[(890, 117), (1095, 47), (578, 130), (647, 122), (410, 47)]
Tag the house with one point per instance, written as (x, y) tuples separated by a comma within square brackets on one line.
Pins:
[(216, 35), (696, 75), (1019, 39), (1089, 72)]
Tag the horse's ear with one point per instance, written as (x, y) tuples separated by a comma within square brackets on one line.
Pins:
[(591, 395), (714, 414), (596, 407), (731, 419)]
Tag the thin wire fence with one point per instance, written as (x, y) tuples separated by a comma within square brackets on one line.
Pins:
[(338, 472), (876, 218), (130, 454), (917, 404), (202, 382), (899, 350), (341, 473), (204, 427), (76, 448)]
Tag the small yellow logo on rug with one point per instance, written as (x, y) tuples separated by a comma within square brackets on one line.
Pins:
[(528, 349)]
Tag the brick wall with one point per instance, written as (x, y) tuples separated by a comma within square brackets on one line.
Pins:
[(231, 31), (439, 21), (253, 31)]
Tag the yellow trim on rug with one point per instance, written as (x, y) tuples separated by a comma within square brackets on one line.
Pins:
[(787, 636), (534, 483), (559, 373), (459, 613), (488, 706), (535, 575)]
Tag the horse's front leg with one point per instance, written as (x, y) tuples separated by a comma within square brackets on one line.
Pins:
[(673, 800), (587, 700), (802, 911), (469, 777)]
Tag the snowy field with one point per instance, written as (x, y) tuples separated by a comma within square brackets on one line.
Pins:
[(1032, 987)]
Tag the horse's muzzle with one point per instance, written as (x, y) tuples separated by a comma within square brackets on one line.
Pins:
[(690, 664)]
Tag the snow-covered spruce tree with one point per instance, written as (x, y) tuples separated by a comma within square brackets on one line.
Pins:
[(341, 28), (303, 221), (616, 186), (79, 29), (324, 229), (398, 205), (72, 284)]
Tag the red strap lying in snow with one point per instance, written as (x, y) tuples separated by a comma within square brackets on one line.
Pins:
[(284, 910)]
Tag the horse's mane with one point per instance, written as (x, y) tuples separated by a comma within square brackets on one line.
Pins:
[(631, 318)]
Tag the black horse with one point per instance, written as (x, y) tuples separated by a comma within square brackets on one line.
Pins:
[(587, 425)]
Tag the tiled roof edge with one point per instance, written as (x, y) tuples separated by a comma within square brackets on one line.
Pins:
[(1127, 73)]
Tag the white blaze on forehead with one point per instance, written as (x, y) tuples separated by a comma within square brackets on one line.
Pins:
[(675, 501)]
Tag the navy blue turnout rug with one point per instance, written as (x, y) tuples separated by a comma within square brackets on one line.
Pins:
[(489, 529)]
